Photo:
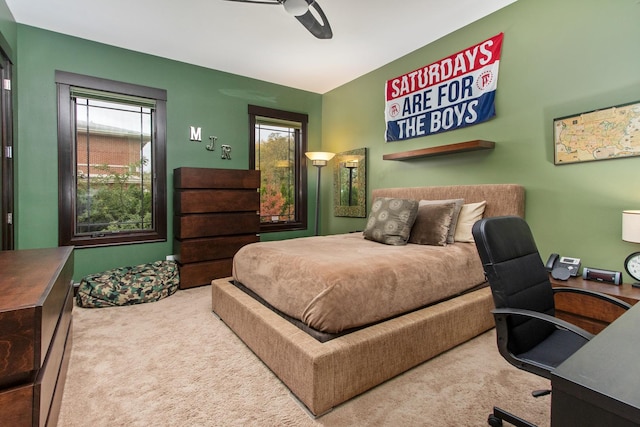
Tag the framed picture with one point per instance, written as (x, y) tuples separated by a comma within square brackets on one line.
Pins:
[(610, 133)]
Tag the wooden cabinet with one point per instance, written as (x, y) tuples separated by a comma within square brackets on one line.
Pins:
[(590, 313), (217, 211), (36, 299)]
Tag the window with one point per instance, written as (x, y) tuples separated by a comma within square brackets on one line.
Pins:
[(278, 141), (111, 162)]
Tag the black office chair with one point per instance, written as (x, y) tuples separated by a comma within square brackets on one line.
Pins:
[(529, 336)]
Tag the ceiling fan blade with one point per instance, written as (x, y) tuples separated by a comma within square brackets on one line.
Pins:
[(321, 30), (257, 1)]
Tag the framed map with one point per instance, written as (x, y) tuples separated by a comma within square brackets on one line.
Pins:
[(610, 133)]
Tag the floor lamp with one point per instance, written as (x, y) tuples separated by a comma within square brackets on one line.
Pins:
[(318, 159)]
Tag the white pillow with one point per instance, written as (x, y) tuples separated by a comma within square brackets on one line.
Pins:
[(469, 214)]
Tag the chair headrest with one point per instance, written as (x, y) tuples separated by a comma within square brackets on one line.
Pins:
[(503, 238)]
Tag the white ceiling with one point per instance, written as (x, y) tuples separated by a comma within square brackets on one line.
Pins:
[(261, 41)]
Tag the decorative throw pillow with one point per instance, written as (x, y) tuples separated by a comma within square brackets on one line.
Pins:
[(432, 223), (390, 220), (454, 217), (469, 214)]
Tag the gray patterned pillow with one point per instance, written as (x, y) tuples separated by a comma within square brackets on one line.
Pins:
[(390, 220)]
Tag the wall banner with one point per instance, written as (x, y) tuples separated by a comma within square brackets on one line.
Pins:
[(449, 94)]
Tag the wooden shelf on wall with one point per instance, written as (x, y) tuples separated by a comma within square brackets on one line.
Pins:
[(440, 150)]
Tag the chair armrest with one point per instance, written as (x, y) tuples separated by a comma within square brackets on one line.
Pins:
[(544, 317), (599, 295), (501, 316)]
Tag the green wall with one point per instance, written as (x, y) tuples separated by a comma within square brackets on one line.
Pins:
[(558, 58), (215, 101), (8, 27)]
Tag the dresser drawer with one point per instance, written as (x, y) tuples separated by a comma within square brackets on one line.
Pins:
[(195, 250), (34, 404), (209, 225), (215, 178), (59, 296), (16, 406), (200, 201), (202, 273), (49, 382)]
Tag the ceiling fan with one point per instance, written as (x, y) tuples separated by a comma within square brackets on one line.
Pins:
[(301, 9)]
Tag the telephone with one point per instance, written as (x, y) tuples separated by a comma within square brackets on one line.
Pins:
[(562, 267)]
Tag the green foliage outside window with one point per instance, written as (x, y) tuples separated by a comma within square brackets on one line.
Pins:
[(277, 143), (115, 201), (277, 190)]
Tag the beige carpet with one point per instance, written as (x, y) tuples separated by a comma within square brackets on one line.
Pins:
[(173, 363)]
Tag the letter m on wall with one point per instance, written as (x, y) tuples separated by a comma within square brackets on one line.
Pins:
[(195, 134)]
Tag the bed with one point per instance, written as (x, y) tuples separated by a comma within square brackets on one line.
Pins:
[(376, 337)]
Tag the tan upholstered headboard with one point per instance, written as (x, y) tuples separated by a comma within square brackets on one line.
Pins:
[(502, 199)]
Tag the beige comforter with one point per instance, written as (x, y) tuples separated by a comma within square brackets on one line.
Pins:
[(337, 282)]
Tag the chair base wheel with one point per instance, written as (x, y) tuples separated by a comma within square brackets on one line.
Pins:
[(500, 415), (494, 421)]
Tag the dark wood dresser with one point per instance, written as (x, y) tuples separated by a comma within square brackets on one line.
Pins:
[(216, 212), (36, 299)]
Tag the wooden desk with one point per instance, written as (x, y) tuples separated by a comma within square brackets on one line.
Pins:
[(590, 313), (598, 385)]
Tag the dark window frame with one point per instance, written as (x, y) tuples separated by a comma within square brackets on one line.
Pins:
[(67, 160), (300, 223)]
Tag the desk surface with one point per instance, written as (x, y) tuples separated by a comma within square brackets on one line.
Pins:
[(601, 381)]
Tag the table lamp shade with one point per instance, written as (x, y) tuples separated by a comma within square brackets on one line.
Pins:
[(631, 226)]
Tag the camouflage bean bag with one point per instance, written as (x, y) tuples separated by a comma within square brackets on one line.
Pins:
[(129, 285)]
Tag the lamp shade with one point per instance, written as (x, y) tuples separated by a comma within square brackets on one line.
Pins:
[(319, 155), (631, 226)]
